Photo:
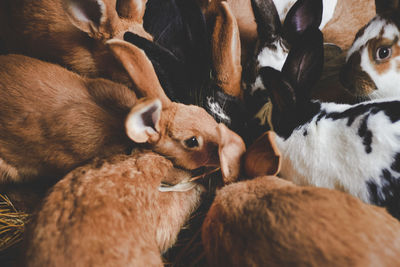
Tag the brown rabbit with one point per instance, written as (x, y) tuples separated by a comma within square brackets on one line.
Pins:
[(52, 120), (72, 33), (271, 222), (111, 213)]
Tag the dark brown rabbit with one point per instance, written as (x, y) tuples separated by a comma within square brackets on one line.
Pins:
[(111, 213), (53, 120)]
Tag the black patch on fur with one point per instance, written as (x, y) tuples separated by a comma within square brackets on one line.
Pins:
[(396, 164), (305, 133), (387, 194), (366, 134), (320, 116), (232, 107)]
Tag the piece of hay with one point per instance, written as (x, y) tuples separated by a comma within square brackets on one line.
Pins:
[(12, 223)]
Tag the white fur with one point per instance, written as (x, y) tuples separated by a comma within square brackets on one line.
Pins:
[(370, 32), (283, 7), (217, 110), (81, 14), (271, 58), (332, 155), (387, 82)]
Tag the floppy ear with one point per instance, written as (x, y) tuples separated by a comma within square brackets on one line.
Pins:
[(263, 157), (231, 149), (267, 19), (86, 15), (139, 68), (226, 52), (383, 6), (304, 63), (133, 9), (143, 122), (303, 15)]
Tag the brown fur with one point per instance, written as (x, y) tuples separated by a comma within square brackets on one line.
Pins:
[(349, 16), (263, 156), (53, 120), (271, 222), (45, 30), (110, 213), (356, 80), (373, 44), (329, 88), (226, 52)]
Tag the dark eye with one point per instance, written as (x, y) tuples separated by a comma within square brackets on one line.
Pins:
[(383, 53), (191, 142)]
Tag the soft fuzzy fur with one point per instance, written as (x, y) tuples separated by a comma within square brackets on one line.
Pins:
[(353, 148), (111, 213), (271, 222), (64, 120), (71, 33), (365, 74)]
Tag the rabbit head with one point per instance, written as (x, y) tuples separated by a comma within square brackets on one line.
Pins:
[(274, 43), (186, 134), (373, 62), (72, 33), (275, 39), (175, 67), (290, 89)]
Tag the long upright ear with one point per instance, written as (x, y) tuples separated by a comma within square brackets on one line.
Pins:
[(304, 63), (303, 15), (88, 15), (384, 6), (139, 68), (132, 9), (267, 19), (197, 39), (142, 123), (231, 150), (226, 52)]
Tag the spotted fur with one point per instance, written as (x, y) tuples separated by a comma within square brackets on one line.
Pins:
[(365, 74), (353, 148)]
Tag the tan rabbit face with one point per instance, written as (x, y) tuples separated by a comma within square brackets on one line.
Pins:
[(187, 135), (372, 69), (191, 137)]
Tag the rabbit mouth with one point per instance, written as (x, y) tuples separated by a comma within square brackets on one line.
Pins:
[(195, 179)]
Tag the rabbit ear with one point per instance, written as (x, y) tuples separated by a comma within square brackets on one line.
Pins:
[(133, 9), (143, 122), (231, 149), (226, 52), (139, 68), (304, 63), (267, 19), (281, 92), (197, 38), (384, 6), (87, 15), (303, 15), (263, 157)]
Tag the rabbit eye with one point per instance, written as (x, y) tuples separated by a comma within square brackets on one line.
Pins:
[(191, 142), (383, 53)]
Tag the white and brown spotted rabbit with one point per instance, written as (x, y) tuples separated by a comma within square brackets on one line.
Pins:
[(372, 69)]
